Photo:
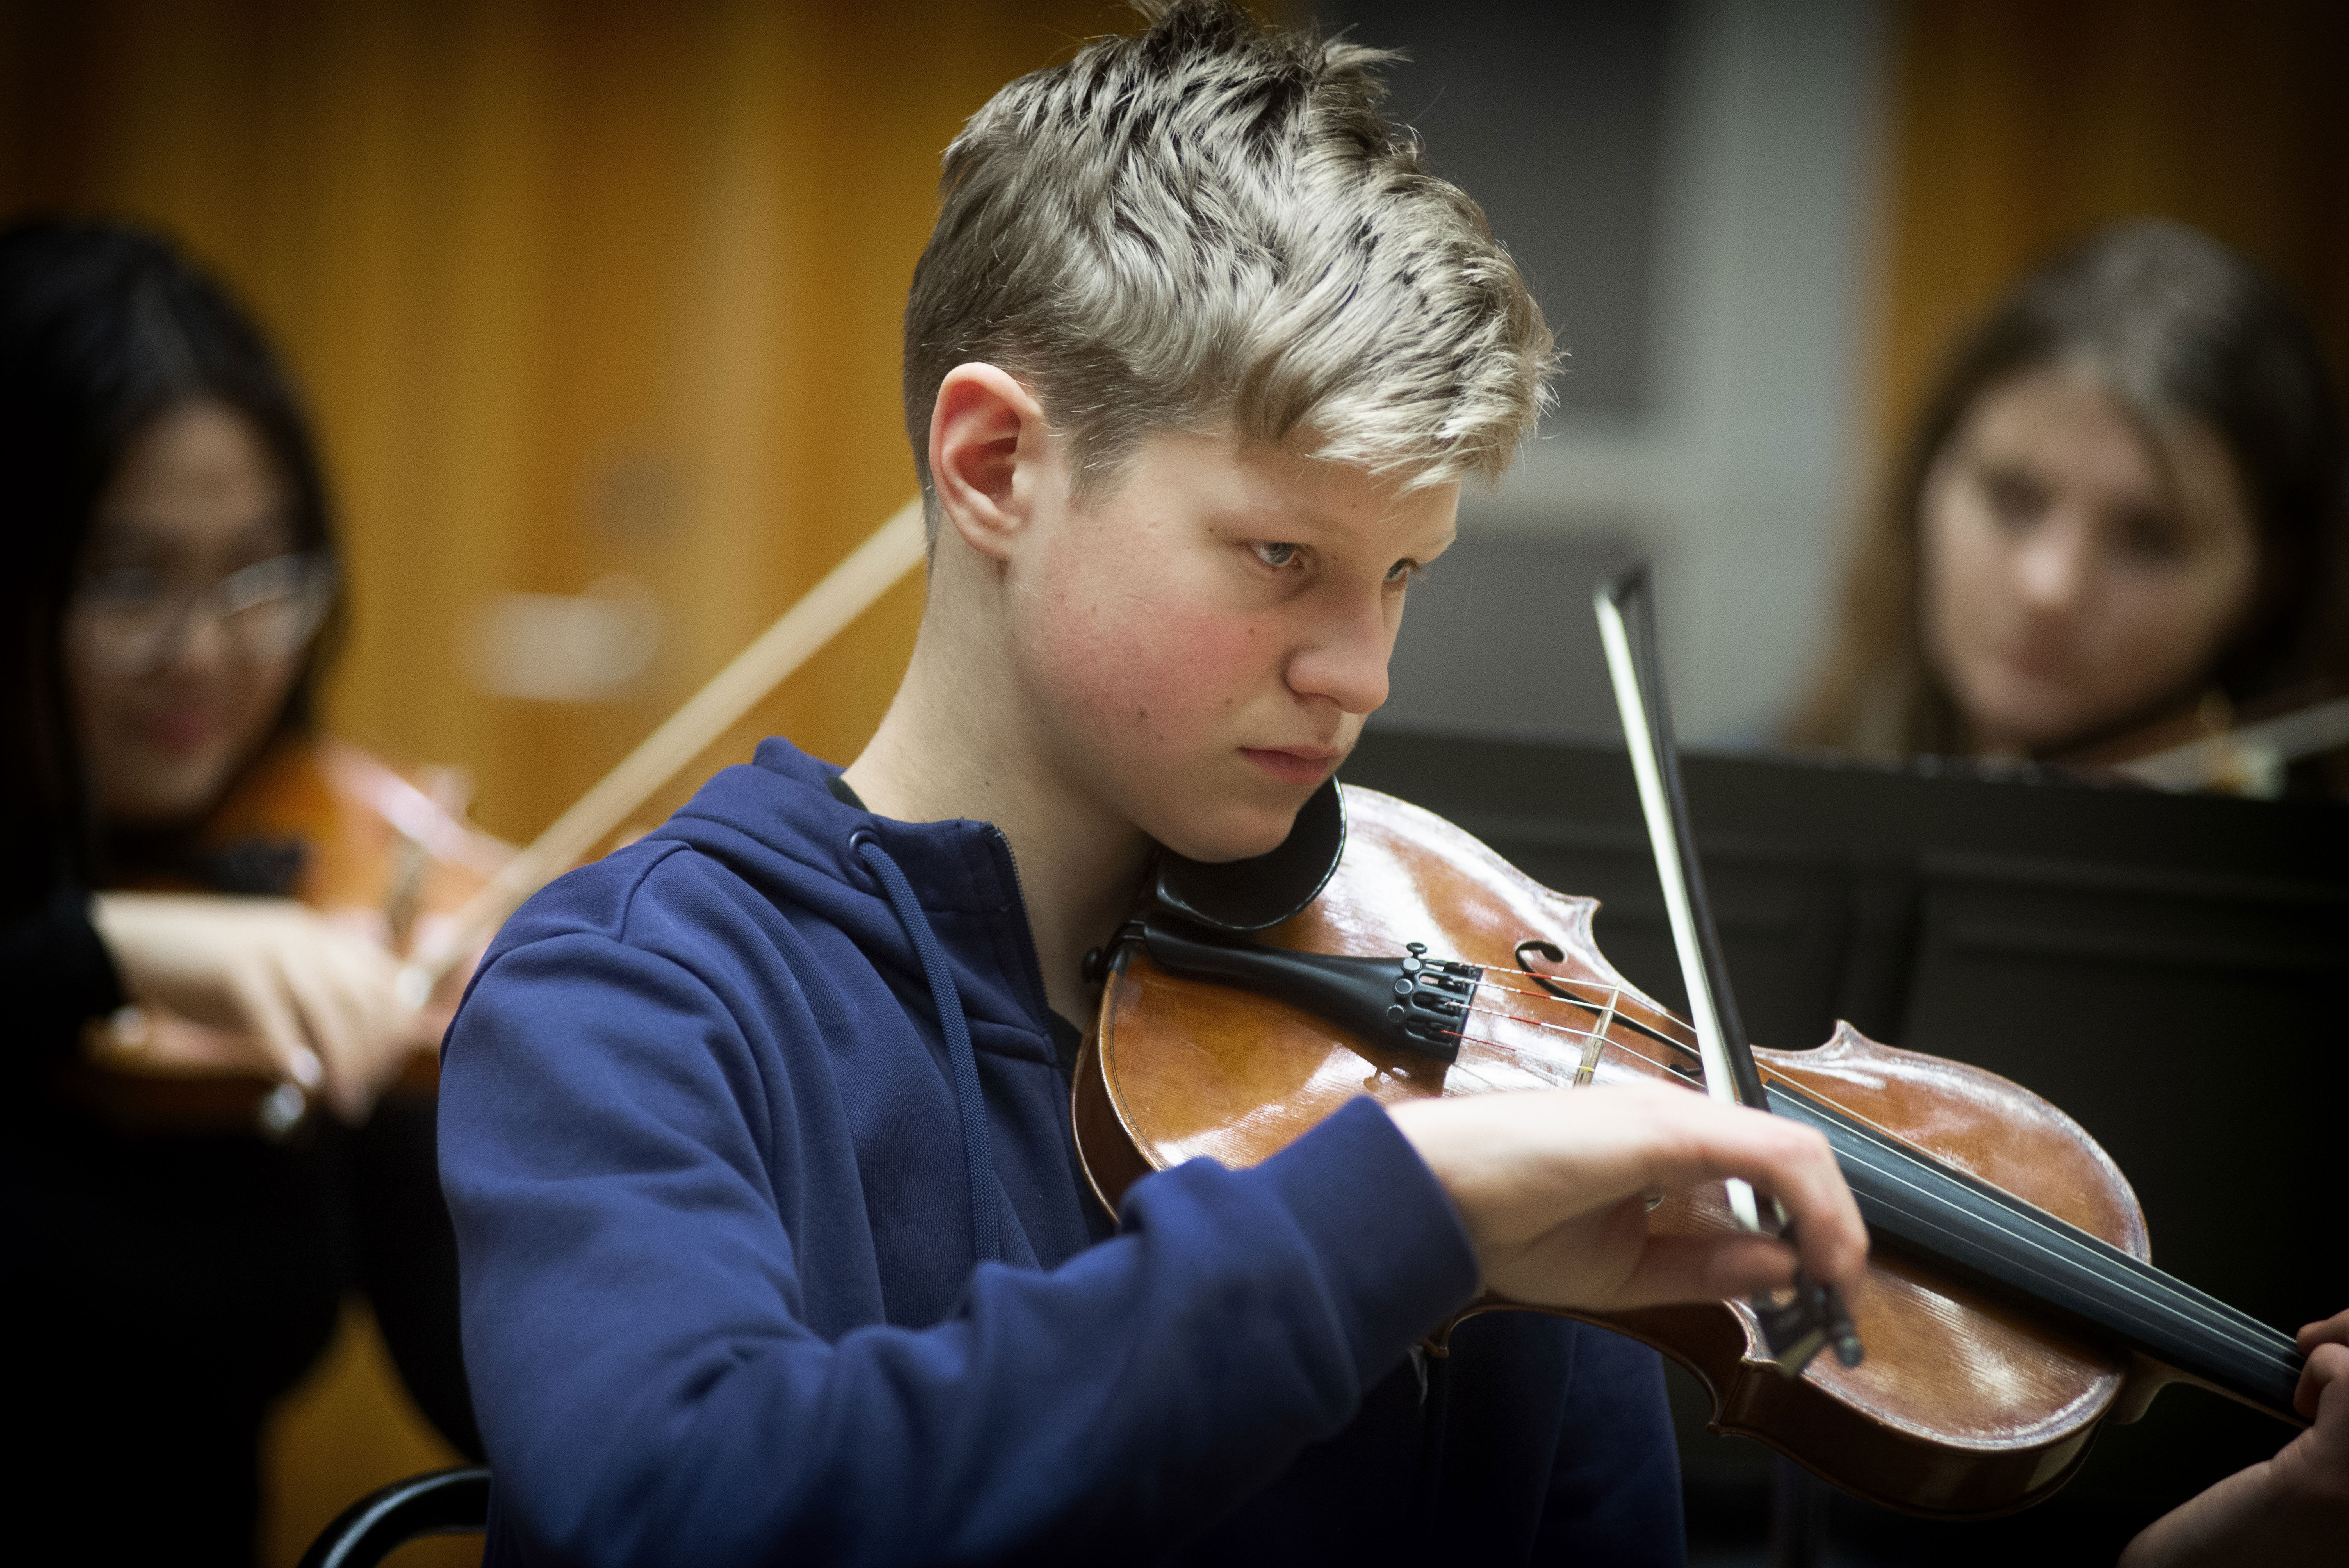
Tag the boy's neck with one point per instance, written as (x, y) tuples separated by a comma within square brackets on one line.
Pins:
[(947, 749)]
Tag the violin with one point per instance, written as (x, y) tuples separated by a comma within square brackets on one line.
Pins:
[(2011, 1305), (394, 855), (386, 851)]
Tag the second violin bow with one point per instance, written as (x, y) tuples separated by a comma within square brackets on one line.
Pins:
[(847, 591)]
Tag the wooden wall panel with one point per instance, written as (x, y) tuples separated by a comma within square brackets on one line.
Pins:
[(2024, 123), (577, 289)]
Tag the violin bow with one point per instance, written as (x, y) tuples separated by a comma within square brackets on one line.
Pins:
[(1813, 1318), (846, 591)]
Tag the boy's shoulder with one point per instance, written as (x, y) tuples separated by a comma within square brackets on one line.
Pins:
[(768, 831), (764, 857)]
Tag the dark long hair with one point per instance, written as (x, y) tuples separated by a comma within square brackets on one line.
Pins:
[(103, 328), (2172, 323)]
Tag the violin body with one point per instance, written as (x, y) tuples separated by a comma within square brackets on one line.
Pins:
[(386, 849), (1965, 1404), (382, 850)]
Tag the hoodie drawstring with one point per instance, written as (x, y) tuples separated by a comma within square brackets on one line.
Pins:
[(986, 1224)]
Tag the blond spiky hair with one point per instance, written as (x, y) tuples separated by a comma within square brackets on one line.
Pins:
[(1211, 225)]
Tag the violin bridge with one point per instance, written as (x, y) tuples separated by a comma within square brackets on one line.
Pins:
[(1595, 1046)]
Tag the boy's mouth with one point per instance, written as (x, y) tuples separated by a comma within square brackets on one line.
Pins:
[(1295, 764)]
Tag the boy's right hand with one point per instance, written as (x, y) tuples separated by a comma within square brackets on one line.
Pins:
[(1550, 1185), (317, 1000)]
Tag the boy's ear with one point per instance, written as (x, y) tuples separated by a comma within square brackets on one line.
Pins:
[(986, 455)]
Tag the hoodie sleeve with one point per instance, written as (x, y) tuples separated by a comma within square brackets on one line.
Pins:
[(650, 1392)]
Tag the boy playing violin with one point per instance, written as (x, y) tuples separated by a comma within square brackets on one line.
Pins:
[(775, 1247)]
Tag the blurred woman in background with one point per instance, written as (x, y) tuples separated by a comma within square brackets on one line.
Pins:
[(2118, 524), (173, 587)]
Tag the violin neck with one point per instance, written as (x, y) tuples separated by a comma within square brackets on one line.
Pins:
[(2012, 1249)]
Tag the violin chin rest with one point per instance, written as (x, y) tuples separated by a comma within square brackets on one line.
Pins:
[(1262, 891)]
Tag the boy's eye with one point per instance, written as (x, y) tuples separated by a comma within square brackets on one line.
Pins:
[(1276, 555), (1404, 571)]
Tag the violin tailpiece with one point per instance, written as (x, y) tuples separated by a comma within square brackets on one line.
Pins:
[(1413, 1002)]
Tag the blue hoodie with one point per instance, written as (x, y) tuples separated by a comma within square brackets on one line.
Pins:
[(714, 1193)]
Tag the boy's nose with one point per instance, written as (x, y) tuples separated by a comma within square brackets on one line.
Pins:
[(1344, 660)]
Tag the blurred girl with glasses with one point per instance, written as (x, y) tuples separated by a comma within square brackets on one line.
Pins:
[(172, 599)]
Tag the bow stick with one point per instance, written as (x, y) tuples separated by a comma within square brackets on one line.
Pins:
[(847, 591), (1796, 1329)]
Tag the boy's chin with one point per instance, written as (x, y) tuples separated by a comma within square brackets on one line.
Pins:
[(1235, 833)]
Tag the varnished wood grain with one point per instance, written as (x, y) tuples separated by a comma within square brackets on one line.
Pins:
[(1962, 1405)]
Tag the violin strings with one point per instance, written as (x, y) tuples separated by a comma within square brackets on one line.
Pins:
[(1620, 990), (1504, 1048), (1770, 1074), (1478, 1076), (2256, 1339), (1565, 1030), (1548, 999), (1605, 1041)]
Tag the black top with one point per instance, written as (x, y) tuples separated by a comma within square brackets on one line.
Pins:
[(61, 975), (175, 1281)]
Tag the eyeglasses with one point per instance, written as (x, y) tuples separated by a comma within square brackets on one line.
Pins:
[(131, 622)]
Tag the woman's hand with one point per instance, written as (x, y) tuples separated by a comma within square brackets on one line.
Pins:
[(318, 1001), (2292, 1510), (1550, 1185)]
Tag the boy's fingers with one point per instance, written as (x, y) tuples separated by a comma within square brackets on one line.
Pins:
[(2332, 1330), (1829, 1232), (2322, 1343), (1526, 1169), (1784, 1158), (2328, 1364), (1707, 1268)]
